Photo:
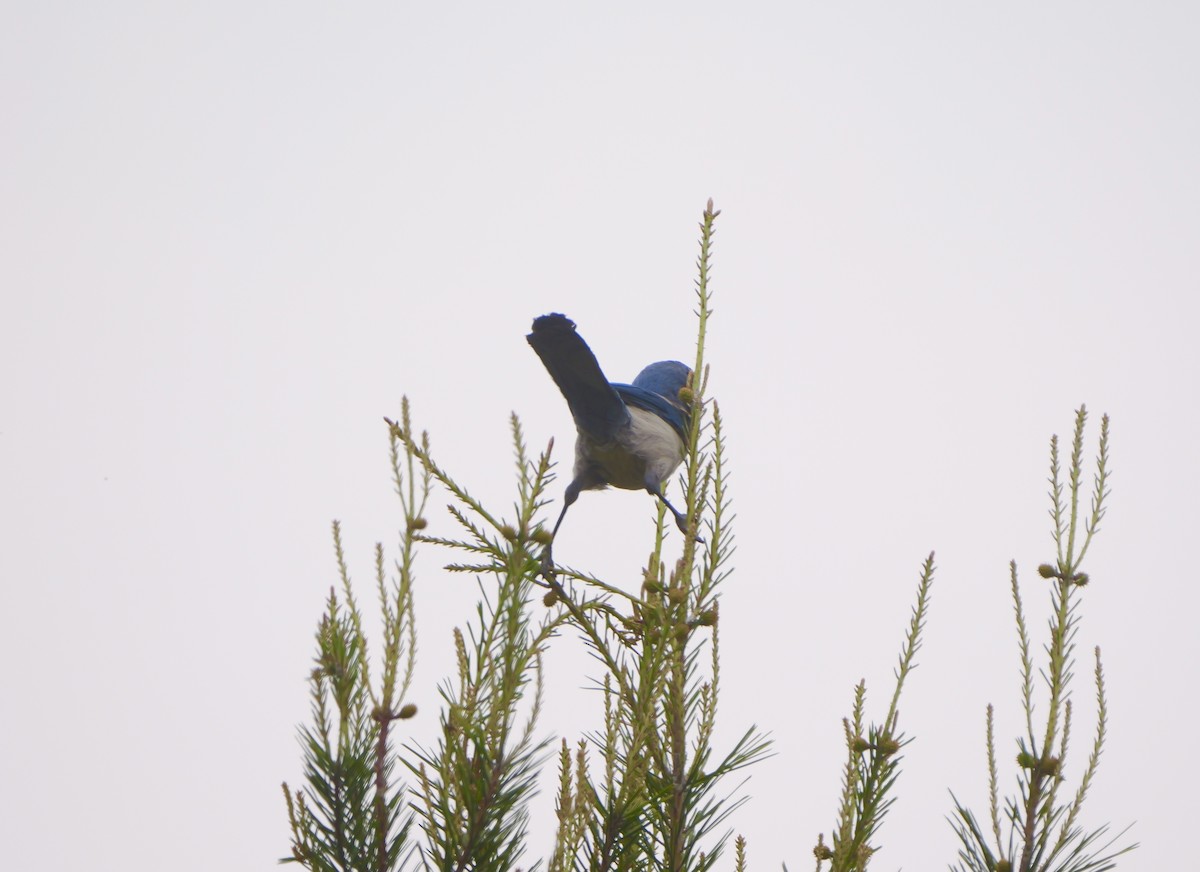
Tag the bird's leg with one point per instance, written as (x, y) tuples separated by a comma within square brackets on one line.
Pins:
[(680, 518), (548, 554), (571, 495)]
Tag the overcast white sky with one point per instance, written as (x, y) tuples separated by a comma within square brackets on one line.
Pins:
[(234, 234)]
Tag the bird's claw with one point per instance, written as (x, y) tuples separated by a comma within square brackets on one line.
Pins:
[(681, 523), (547, 565)]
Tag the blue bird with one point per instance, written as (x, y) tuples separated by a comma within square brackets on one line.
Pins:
[(629, 436)]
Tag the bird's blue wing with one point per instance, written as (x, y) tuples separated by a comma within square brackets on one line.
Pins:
[(656, 389), (595, 405)]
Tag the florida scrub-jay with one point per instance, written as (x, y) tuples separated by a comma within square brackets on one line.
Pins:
[(631, 436)]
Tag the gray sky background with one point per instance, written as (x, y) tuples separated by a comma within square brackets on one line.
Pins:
[(234, 234)]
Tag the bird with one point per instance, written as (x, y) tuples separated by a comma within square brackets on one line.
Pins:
[(630, 436)]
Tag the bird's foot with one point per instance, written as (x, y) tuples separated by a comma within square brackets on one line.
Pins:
[(682, 524), (547, 567)]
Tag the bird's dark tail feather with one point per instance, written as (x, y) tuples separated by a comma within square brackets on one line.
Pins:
[(596, 407)]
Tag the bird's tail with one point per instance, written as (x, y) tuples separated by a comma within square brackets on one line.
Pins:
[(596, 407)]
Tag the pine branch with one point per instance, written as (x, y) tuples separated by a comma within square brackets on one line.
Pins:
[(1044, 834)]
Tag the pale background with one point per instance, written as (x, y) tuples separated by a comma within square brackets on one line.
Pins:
[(235, 233)]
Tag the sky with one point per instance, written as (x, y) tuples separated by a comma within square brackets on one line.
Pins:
[(234, 235)]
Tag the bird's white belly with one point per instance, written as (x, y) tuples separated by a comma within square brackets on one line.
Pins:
[(648, 450)]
